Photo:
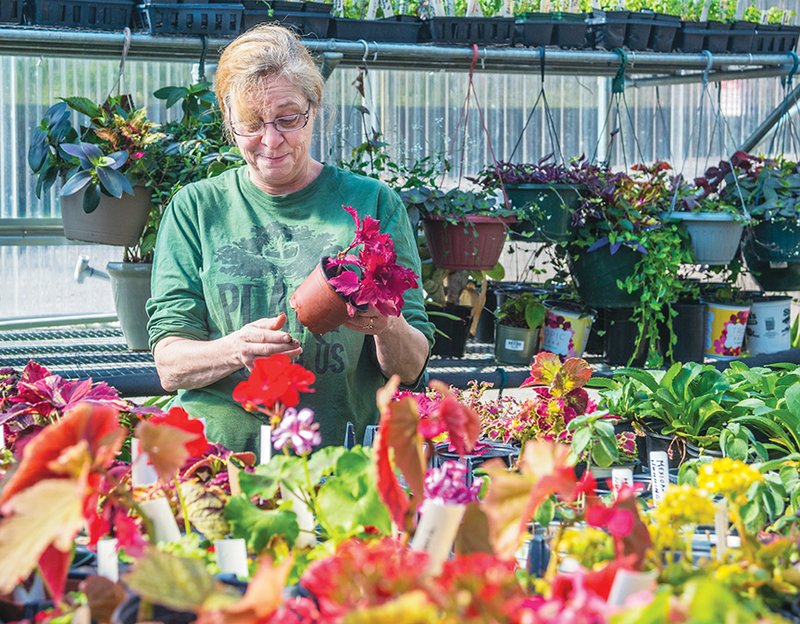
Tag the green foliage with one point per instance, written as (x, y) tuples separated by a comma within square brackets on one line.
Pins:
[(593, 439), (262, 529), (524, 310)]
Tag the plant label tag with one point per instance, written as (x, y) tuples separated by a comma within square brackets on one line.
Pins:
[(372, 9), (338, 8), (514, 345), (2, 437), (721, 527), (506, 11), (659, 473), (107, 560), (778, 265), (735, 335), (706, 8), (620, 477), (142, 472), (545, 6), (305, 519), (739, 10), (159, 513), (556, 340), (388, 9), (627, 582), (436, 531), (232, 557), (265, 445)]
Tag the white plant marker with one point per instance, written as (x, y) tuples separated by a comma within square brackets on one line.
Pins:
[(142, 473), (265, 447), (721, 527), (107, 559), (659, 474), (305, 519), (620, 477), (388, 9), (626, 583), (2, 437), (160, 514), (436, 531), (232, 556)]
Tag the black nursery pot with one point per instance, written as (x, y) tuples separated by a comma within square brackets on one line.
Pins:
[(534, 30), (690, 331), (691, 36), (665, 30), (620, 338), (457, 331), (609, 28), (717, 37), (570, 30), (741, 37)]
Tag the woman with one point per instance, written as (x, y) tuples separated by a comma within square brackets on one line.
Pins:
[(232, 249)]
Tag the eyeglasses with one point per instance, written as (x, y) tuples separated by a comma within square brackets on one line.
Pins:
[(284, 124)]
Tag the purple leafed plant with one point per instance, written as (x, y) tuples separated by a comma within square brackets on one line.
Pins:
[(448, 483)]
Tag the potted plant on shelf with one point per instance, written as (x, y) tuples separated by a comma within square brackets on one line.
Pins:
[(519, 319), (544, 195), (595, 441), (463, 229)]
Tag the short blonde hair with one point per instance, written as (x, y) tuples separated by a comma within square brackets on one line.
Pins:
[(265, 52)]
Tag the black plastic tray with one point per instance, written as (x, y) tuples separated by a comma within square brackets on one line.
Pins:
[(467, 30), (398, 29), (220, 20), (109, 15)]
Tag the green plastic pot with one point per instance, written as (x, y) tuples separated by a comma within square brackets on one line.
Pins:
[(775, 241), (553, 205), (596, 274)]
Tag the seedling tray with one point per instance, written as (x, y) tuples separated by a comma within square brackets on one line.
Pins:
[(109, 15), (220, 20)]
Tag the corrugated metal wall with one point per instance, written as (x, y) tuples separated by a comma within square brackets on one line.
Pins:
[(419, 114)]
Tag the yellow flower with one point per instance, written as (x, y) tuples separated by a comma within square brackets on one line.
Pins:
[(410, 608), (588, 545), (683, 505), (728, 477)]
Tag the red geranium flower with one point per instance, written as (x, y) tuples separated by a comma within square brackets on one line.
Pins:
[(274, 379)]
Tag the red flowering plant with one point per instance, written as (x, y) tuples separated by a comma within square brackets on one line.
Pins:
[(372, 277)]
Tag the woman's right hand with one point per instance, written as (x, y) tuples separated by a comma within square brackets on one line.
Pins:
[(262, 338)]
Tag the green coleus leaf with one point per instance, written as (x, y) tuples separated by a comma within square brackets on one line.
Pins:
[(179, 583), (259, 527), (349, 502)]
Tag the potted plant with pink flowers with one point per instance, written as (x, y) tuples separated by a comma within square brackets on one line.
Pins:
[(342, 284)]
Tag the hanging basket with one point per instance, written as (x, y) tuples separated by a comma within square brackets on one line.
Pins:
[(318, 306), (474, 243), (715, 236), (113, 222), (547, 210), (596, 275)]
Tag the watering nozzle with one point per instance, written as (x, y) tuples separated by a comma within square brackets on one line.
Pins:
[(83, 270)]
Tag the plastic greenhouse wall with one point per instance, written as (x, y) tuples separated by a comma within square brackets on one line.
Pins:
[(418, 113)]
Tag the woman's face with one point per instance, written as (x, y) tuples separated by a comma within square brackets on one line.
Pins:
[(279, 162)]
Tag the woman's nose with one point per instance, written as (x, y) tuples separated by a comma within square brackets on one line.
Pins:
[(271, 137)]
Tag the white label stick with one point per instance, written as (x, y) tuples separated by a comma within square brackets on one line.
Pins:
[(232, 556), (659, 474), (266, 445), (436, 532), (107, 560)]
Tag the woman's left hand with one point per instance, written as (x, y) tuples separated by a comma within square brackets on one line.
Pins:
[(369, 322)]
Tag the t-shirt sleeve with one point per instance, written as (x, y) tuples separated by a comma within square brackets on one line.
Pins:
[(177, 305), (395, 222)]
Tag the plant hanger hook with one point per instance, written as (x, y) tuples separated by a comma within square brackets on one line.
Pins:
[(201, 65)]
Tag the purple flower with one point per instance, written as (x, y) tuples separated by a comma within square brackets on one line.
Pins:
[(449, 484), (297, 429)]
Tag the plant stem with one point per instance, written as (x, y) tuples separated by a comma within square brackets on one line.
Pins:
[(187, 526)]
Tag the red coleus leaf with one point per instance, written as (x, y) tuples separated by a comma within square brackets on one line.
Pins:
[(462, 422), (54, 566), (398, 432), (178, 417), (88, 433), (274, 379)]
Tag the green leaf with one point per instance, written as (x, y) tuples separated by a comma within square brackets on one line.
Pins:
[(349, 503), (546, 512), (171, 94), (83, 105), (76, 183), (110, 181), (258, 527), (175, 582), (581, 441), (91, 198), (264, 481), (323, 462), (205, 506), (793, 400)]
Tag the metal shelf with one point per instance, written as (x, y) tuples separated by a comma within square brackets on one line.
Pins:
[(675, 67)]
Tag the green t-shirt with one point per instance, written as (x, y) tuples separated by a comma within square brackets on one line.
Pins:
[(228, 254)]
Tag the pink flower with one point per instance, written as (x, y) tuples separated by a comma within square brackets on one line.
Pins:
[(298, 430), (449, 483), (137, 155)]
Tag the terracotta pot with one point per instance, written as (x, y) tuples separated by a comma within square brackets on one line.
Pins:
[(473, 244), (318, 306)]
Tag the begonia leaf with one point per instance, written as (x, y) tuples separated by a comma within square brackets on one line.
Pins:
[(263, 596), (462, 422), (165, 446), (258, 527), (205, 506), (266, 479), (94, 425), (48, 513), (103, 597), (473, 534), (179, 583), (351, 501)]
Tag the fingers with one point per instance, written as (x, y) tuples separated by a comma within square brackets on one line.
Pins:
[(265, 349), (273, 323)]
